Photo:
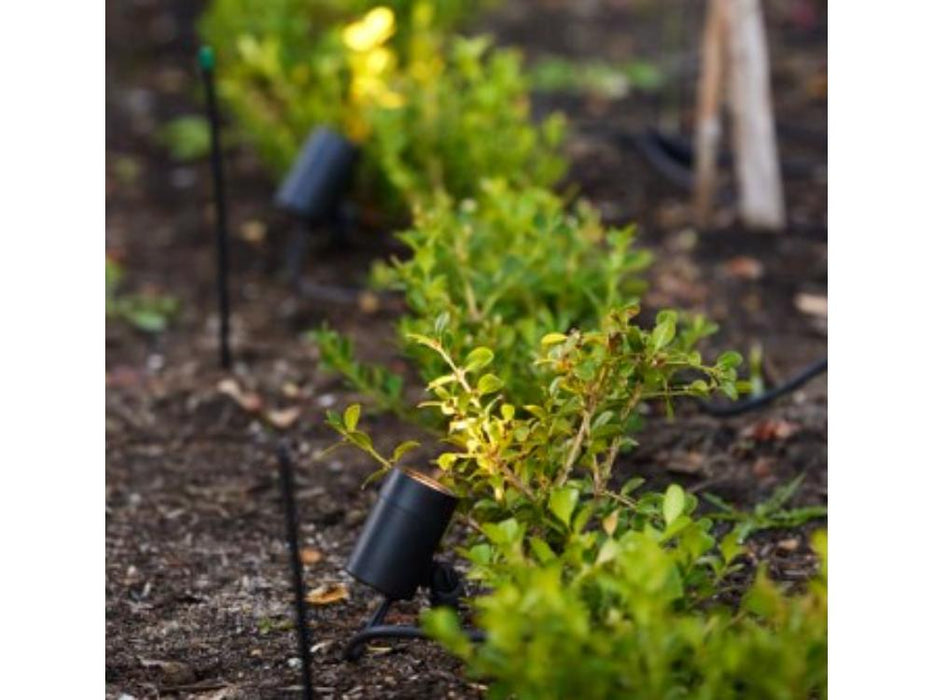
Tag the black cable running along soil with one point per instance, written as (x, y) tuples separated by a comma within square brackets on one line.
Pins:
[(739, 407)]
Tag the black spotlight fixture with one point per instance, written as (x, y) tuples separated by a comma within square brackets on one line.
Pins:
[(315, 187), (395, 553)]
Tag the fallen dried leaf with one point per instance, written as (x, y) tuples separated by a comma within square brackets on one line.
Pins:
[(283, 418), (769, 430), (310, 555), (328, 594), (291, 390), (368, 302), (248, 401), (687, 463), (253, 231), (746, 268), (812, 304), (230, 692), (788, 545), (172, 672), (763, 467), (125, 377), (320, 646)]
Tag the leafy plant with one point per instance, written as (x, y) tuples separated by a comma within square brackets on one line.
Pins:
[(767, 514), (149, 312), (513, 460), (383, 386), (589, 590), (555, 74), (464, 116), (187, 138), (502, 270), (622, 614), (429, 110)]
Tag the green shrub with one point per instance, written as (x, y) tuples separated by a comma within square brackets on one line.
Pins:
[(186, 138), (149, 312), (617, 616), (429, 110), (591, 591), (500, 271)]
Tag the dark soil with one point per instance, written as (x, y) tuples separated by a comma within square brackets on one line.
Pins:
[(198, 589)]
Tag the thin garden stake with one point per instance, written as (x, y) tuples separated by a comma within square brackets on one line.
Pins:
[(206, 61), (291, 528)]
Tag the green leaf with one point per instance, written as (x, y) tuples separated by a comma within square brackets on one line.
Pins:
[(351, 416), (400, 450), (441, 381), (562, 502), (729, 359), (488, 383), (480, 554), (333, 419), (422, 340), (361, 440), (479, 358), (147, 320), (503, 533), (609, 551), (541, 550), (730, 546), (440, 323), (631, 485), (674, 501), (443, 625), (663, 334)]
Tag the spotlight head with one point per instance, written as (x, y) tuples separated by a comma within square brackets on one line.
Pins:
[(319, 177), (394, 553)]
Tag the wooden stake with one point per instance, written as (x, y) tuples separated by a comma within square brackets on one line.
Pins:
[(709, 99), (761, 196)]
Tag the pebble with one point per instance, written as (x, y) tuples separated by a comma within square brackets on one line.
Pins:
[(183, 178)]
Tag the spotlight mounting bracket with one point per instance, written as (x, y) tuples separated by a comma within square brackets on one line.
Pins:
[(395, 553)]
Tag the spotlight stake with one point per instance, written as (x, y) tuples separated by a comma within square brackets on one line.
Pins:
[(394, 554), (206, 61), (287, 480)]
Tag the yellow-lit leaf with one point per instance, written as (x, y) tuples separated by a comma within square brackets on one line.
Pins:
[(351, 416), (371, 31)]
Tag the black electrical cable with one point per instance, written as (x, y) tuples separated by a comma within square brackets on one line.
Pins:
[(291, 528), (739, 407)]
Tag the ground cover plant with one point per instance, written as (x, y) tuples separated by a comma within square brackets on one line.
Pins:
[(430, 109), (590, 589), (499, 271), (149, 311)]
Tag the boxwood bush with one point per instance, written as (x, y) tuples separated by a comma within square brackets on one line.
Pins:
[(590, 589), (431, 110), (500, 270)]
